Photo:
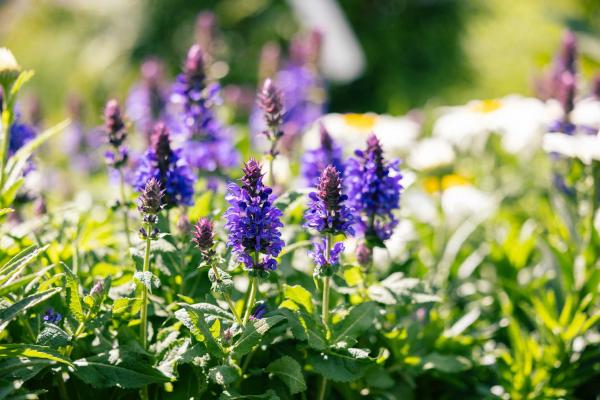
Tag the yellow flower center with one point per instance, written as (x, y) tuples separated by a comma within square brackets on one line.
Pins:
[(363, 122), (435, 184), (487, 106)]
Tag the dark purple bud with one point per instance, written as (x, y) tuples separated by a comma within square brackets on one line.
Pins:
[(161, 144), (97, 289), (150, 201), (364, 255), (375, 152), (566, 94), (204, 235), (569, 51), (596, 87), (113, 123), (194, 64), (183, 225), (326, 140), (330, 187), (39, 207), (253, 175), (270, 101)]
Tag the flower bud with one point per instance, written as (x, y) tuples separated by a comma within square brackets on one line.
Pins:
[(150, 201), (9, 68), (270, 101)]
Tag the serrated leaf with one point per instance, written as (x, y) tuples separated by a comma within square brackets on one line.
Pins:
[(148, 279), (223, 375), (32, 351), (290, 372), (337, 367), (359, 319), (72, 294), (194, 320), (53, 336), (253, 334), (7, 314), (126, 373), (211, 309), (300, 296)]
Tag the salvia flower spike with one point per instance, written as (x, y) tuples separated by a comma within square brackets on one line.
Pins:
[(373, 185), (167, 166)]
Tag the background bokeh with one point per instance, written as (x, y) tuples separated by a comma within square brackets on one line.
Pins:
[(418, 52)]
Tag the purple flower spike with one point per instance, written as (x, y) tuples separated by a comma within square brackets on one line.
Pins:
[(315, 161), (113, 123), (253, 222), (271, 103), (374, 190), (147, 101), (326, 211), (168, 167), (209, 146)]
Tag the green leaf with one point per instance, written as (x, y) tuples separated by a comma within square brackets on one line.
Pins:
[(210, 309), (22, 79), (300, 296), (16, 264), (337, 367), (105, 371), (148, 279), (290, 372), (53, 336), (72, 295), (22, 281), (445, 363), (223, 375), (356, 322), (268, 395), (12, 311), (253, 334), (32, 351), (130, 305), (194, 320), (4, 211), (22, 368)]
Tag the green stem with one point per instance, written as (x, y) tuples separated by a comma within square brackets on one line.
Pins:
[(323, 389), (227, 297), (326, 284), (7, 116), (124, 207), (144, 310), (251, 298)]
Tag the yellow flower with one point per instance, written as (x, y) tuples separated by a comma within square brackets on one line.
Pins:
[(486, 106), (435, 184), (362, 122)]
